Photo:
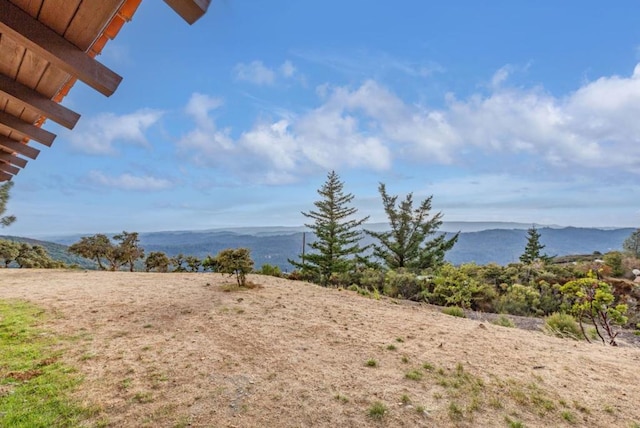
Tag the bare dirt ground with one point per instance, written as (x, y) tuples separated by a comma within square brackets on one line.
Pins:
[(175, 350)]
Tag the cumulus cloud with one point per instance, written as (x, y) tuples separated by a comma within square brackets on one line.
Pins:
[(370, 127), (129, 182), (99, 134)]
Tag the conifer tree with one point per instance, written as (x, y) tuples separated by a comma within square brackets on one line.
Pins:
[(337, 245), (407, 244), (532, 250)]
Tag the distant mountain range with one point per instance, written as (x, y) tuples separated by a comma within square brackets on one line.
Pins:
[(481, 243)]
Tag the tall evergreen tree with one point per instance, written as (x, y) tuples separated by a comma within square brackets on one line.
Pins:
[(532, 251), (337, 244), (4, 198), (407, 244)]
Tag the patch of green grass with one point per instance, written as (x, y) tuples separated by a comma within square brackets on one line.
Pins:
[(405, 399), (421, 410), (568, 416), (454, 311), (143, 397), (609, 409), (371, 363), (455, 411), (399, 339), (414, 375), (503, 321), (428, 366), (38, 386), (341, 398), (513, 424), (377, 410), (391, 347), (405, 359)]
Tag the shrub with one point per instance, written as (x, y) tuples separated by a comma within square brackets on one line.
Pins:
[(519, 300), (454, 311), (562, 325), (236, 262), (453, 286), (593, 300), (401, 283), (270, 270)]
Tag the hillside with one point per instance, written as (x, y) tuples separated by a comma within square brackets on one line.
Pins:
[(167, 350), (276, 245)]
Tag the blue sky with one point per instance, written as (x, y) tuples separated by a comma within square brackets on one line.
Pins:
[(502, 110)]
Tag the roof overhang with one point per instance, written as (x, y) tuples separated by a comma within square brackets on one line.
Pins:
[(45, 47)]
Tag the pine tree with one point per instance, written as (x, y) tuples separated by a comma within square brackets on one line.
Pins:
[(532, 251), (337, 244), (407, 244)]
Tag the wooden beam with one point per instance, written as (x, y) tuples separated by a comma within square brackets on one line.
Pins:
[(12, 146), (37, 37), (5, 177), (28, 130), (9, 168), (12, 159), (189, 10), (38, 102)]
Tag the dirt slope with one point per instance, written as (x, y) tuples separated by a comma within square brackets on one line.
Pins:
[(167, 350)]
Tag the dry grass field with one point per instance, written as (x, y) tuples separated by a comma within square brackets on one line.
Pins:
[(177, 350)]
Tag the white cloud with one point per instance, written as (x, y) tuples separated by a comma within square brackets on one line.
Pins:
[(98, 135), (287, 69), (255, 72), (368, 127), (130, 182)]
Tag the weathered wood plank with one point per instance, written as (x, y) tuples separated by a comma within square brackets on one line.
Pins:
[(20, 26), (189, 10), (5, 177), (26, 129), (9, 168), (58, 14), (38, 102), (13, 159), (13, 146), (89, 21)]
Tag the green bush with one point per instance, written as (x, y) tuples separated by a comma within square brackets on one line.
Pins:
[(453, 286), (562, 325), (270, 270), (403, 284), (454, 311), (519, 300)]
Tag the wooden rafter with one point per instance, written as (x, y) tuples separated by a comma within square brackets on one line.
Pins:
[(26, 129), (5, 177), (189, 10), (12, 159), (36, 101), (9, 168), (37, 37), (13, 146)]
